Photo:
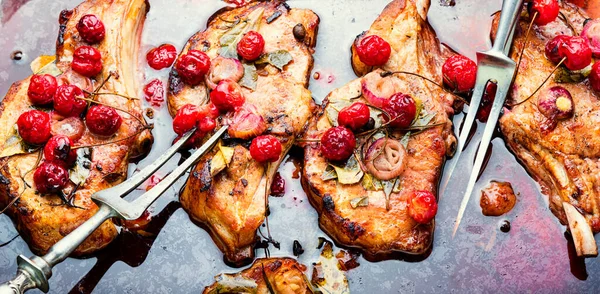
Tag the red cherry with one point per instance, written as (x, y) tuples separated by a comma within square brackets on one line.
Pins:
[(373, 50), (66, 102), (50, 177), (251, 46), (337, 143), (192, 67), (58, 149), (154, 92), (422, 206), (206, 124), (551, 50), (595, 77), (354, 116), (87, 61), (103, 120), (265, 148), (459, 73), (185, 119), (91, 29), (578, 53), (227, 96), (402, 109), (278, 186), (41, 89), (547, 11), (161, 56), (34, 127), (72, 127)]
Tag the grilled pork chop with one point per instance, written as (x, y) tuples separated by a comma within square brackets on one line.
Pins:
[(232, 203), (563, 160), (266, 275), (357, 215), (42, 220)]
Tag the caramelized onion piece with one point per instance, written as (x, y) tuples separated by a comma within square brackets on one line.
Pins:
[(377, 89), (591, 31), (386, 159), (246, 123), (72, 127), (224, 69)]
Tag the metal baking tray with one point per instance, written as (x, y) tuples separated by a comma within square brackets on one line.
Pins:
[(180, 257)]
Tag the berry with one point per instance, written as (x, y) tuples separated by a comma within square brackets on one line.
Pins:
[(578, 53), (87, 61), (34, 127), (595, 77), (161, 56), (192, 67), (58, 149), (460, 73), (154, 92), (251, 46), (66, 102), (373, 50), (50, 177), (265, 148), (185, 119), (422, 206), (206, 124), (402, 110), (354, 116), (41, 89), (551, 50), (547, 11), (91, 29), (103, 120), (337, 144), (227, 96)]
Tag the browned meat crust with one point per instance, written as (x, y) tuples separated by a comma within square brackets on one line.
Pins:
[(564, 161), (42, 220), (285, 275), (373, 228), (232, 204)]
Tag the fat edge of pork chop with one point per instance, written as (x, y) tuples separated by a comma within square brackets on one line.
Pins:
[(42, 220), (564, 161), (231, 204), (375, 230)]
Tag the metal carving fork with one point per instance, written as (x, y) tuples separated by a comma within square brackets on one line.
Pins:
[(35, 271)]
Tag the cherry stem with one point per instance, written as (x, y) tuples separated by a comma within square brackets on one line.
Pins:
[(143, 123), (148, 127), (115, 94), (568, 23), (388, 73), (524, 46), (540, 87)]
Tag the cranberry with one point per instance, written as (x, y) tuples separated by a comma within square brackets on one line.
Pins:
[(206, 124), (422, 206), (354, 116), (278, 186), (373, 50), (578, 53), (227, 96), (402, 110), (161, 56), (251, 46), (337, 143), (91, 29), (547, 11), (58, 149), (460, 73), (66, 102), (595, 77), (154, 92), (72, 127), (185, 119), (265, 148), (209, 110), (192, 67), (41, 89), (34, 127), (552, 46), (87, 61), (50, 177), (103, 120)]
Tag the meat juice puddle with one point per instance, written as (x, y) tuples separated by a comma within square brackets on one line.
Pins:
[(184, 256)]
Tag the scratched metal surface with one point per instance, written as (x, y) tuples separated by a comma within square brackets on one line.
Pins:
[(181, 258)]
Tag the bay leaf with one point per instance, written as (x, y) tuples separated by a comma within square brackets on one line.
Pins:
[(370, 183), (329, 174), (359, 202), (15, 145), (250, 76), (45, 64), (221, 159), (405, 139), (564, 75), (233, 35), (278, 59), (349, 173)]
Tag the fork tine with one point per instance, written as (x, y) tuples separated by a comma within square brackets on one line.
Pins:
[(133, 182)]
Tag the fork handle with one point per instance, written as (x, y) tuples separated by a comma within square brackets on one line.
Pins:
[(511, 9)]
